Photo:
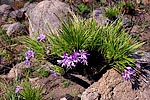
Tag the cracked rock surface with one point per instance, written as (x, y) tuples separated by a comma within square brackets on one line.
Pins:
[(113, 87)]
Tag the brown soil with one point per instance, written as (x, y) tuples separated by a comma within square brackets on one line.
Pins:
[(54, 88)]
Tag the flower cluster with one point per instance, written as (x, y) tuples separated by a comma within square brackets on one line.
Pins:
[(41, 37), (128, 73), (28, 56), (74, 58)]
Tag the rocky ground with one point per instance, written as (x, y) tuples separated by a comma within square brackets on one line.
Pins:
[(32, 17)]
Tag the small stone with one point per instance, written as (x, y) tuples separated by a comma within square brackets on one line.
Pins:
[(5, 8), (63, 98), (145, 2), (15, 29), (135, 29), (90, 94), (17, 14), (98, 14), (16, 71)]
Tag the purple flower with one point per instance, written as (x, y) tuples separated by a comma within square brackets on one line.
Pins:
[(75, 56), (29, 54), (28, 64), (138, 65), (47, 50), (66, 62), (65, 55), (41, 37), (83, 57), (128, 73), (48, 67), (18, 88), (130, 70), (71, 62), (54, 73), (65, 59)]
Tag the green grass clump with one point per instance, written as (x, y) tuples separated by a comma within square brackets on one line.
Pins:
[(43, 72), (111, 13), (130, 5), (82, 8), (118, 45), (38, 47), (110, 40), (29, 92), (8, 91), (75, 34)]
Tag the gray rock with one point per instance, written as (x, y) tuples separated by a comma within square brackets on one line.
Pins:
[(146, 57), (90, 94), (142, 57), (112, 87), (17, 14), (15, 29), (125, 20), (145, 2), (5, 8), (4, 12), (99, 16), (16, 71), (63, 98), (46, 12), (28, 6)]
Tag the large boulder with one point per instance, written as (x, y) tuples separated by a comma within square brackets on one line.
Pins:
[(28, 6), (113, 87), (48, 11)]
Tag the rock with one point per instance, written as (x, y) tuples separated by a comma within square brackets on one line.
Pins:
[(146, 57), (16, 71), (90, 94), (35, 82), (138, 1), (69, 97), (63, 98), (112, 87), (28, 6), (126, 20), (4, 11), (5, 8), (146, 2), (18, 15), (135, 29), (46, 12), (15, 29), (99, 16)]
